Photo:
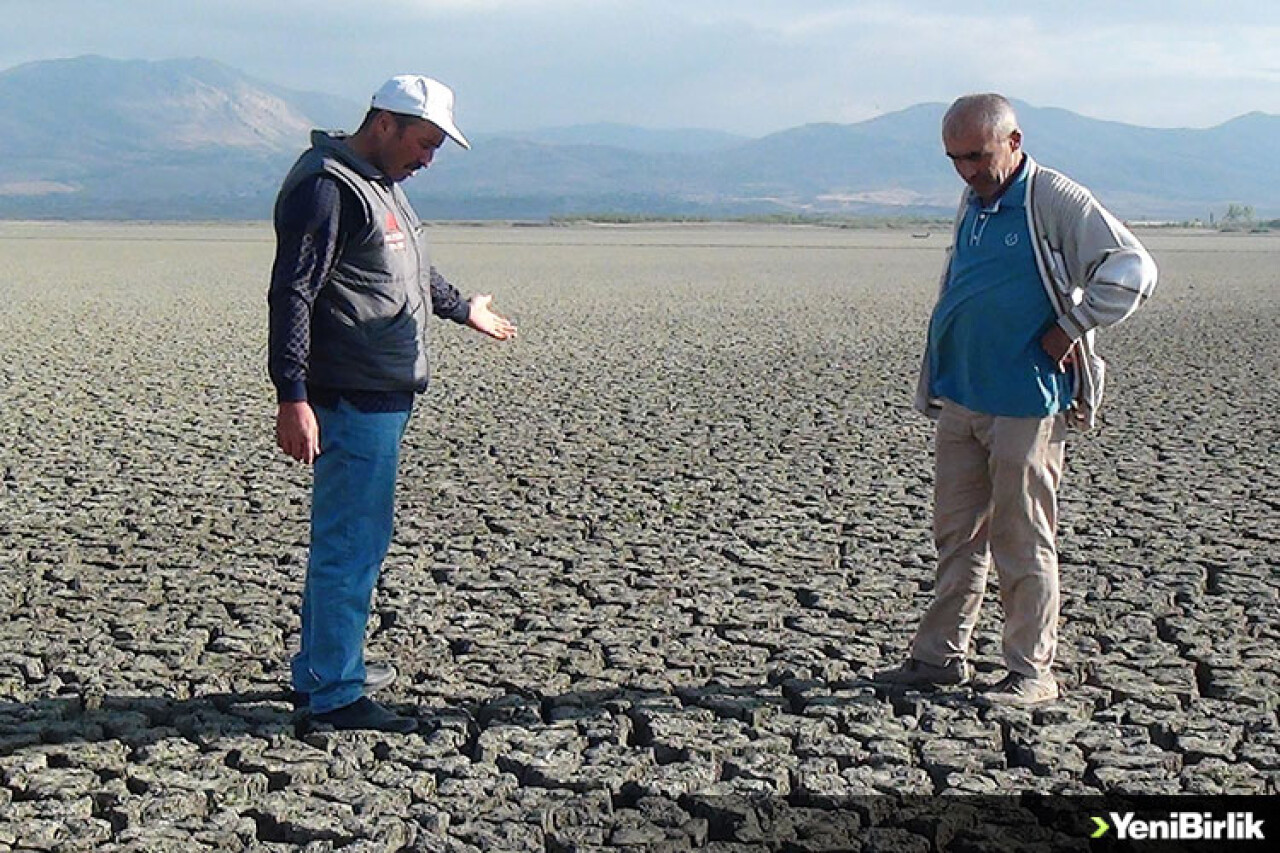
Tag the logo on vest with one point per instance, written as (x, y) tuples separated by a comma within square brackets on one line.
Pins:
[(395, 237), (1011, 239)]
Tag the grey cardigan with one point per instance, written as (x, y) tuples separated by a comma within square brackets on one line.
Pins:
[(1093, 269)]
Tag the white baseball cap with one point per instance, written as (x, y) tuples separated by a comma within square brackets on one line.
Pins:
[(415, 95)]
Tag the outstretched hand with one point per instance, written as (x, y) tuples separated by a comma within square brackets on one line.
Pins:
[(482, 319)]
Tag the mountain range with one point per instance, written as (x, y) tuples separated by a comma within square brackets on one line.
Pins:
[(194, 139)]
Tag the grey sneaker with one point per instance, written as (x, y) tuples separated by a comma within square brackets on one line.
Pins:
[(917, 673), (1021, 690), (376, 677)]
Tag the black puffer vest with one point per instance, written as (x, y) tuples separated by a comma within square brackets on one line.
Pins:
[(369, 322)]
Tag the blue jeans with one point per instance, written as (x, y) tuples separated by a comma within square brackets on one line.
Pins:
[(352, 509)]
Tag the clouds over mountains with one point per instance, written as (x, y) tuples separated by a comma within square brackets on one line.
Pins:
[(92, 137)]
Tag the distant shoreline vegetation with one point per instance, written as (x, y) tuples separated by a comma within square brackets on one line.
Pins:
[(829, 221), (919, 226)]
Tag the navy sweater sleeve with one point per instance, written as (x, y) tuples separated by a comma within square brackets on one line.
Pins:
[(308, 226), (446, 301)]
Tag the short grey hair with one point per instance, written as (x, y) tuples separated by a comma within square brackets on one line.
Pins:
[(988, 111)]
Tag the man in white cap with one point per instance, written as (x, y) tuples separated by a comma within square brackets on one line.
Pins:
[(351, 290)]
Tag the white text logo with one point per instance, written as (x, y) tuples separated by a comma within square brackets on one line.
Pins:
[(1183, 826)]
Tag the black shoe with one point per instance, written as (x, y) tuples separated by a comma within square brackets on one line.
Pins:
[(922, 675), (364, 713), (376, 677)]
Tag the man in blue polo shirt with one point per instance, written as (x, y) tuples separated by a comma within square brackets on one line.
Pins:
[(986, 328), (1035, 267)]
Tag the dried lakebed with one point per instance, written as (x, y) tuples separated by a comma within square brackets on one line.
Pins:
[(646, 558)]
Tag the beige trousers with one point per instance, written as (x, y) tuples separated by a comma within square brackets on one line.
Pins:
[(995, 498)]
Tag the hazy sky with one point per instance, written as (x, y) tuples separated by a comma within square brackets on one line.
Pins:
[(749, 66)]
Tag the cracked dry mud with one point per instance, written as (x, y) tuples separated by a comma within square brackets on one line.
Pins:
[(646, 558)]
